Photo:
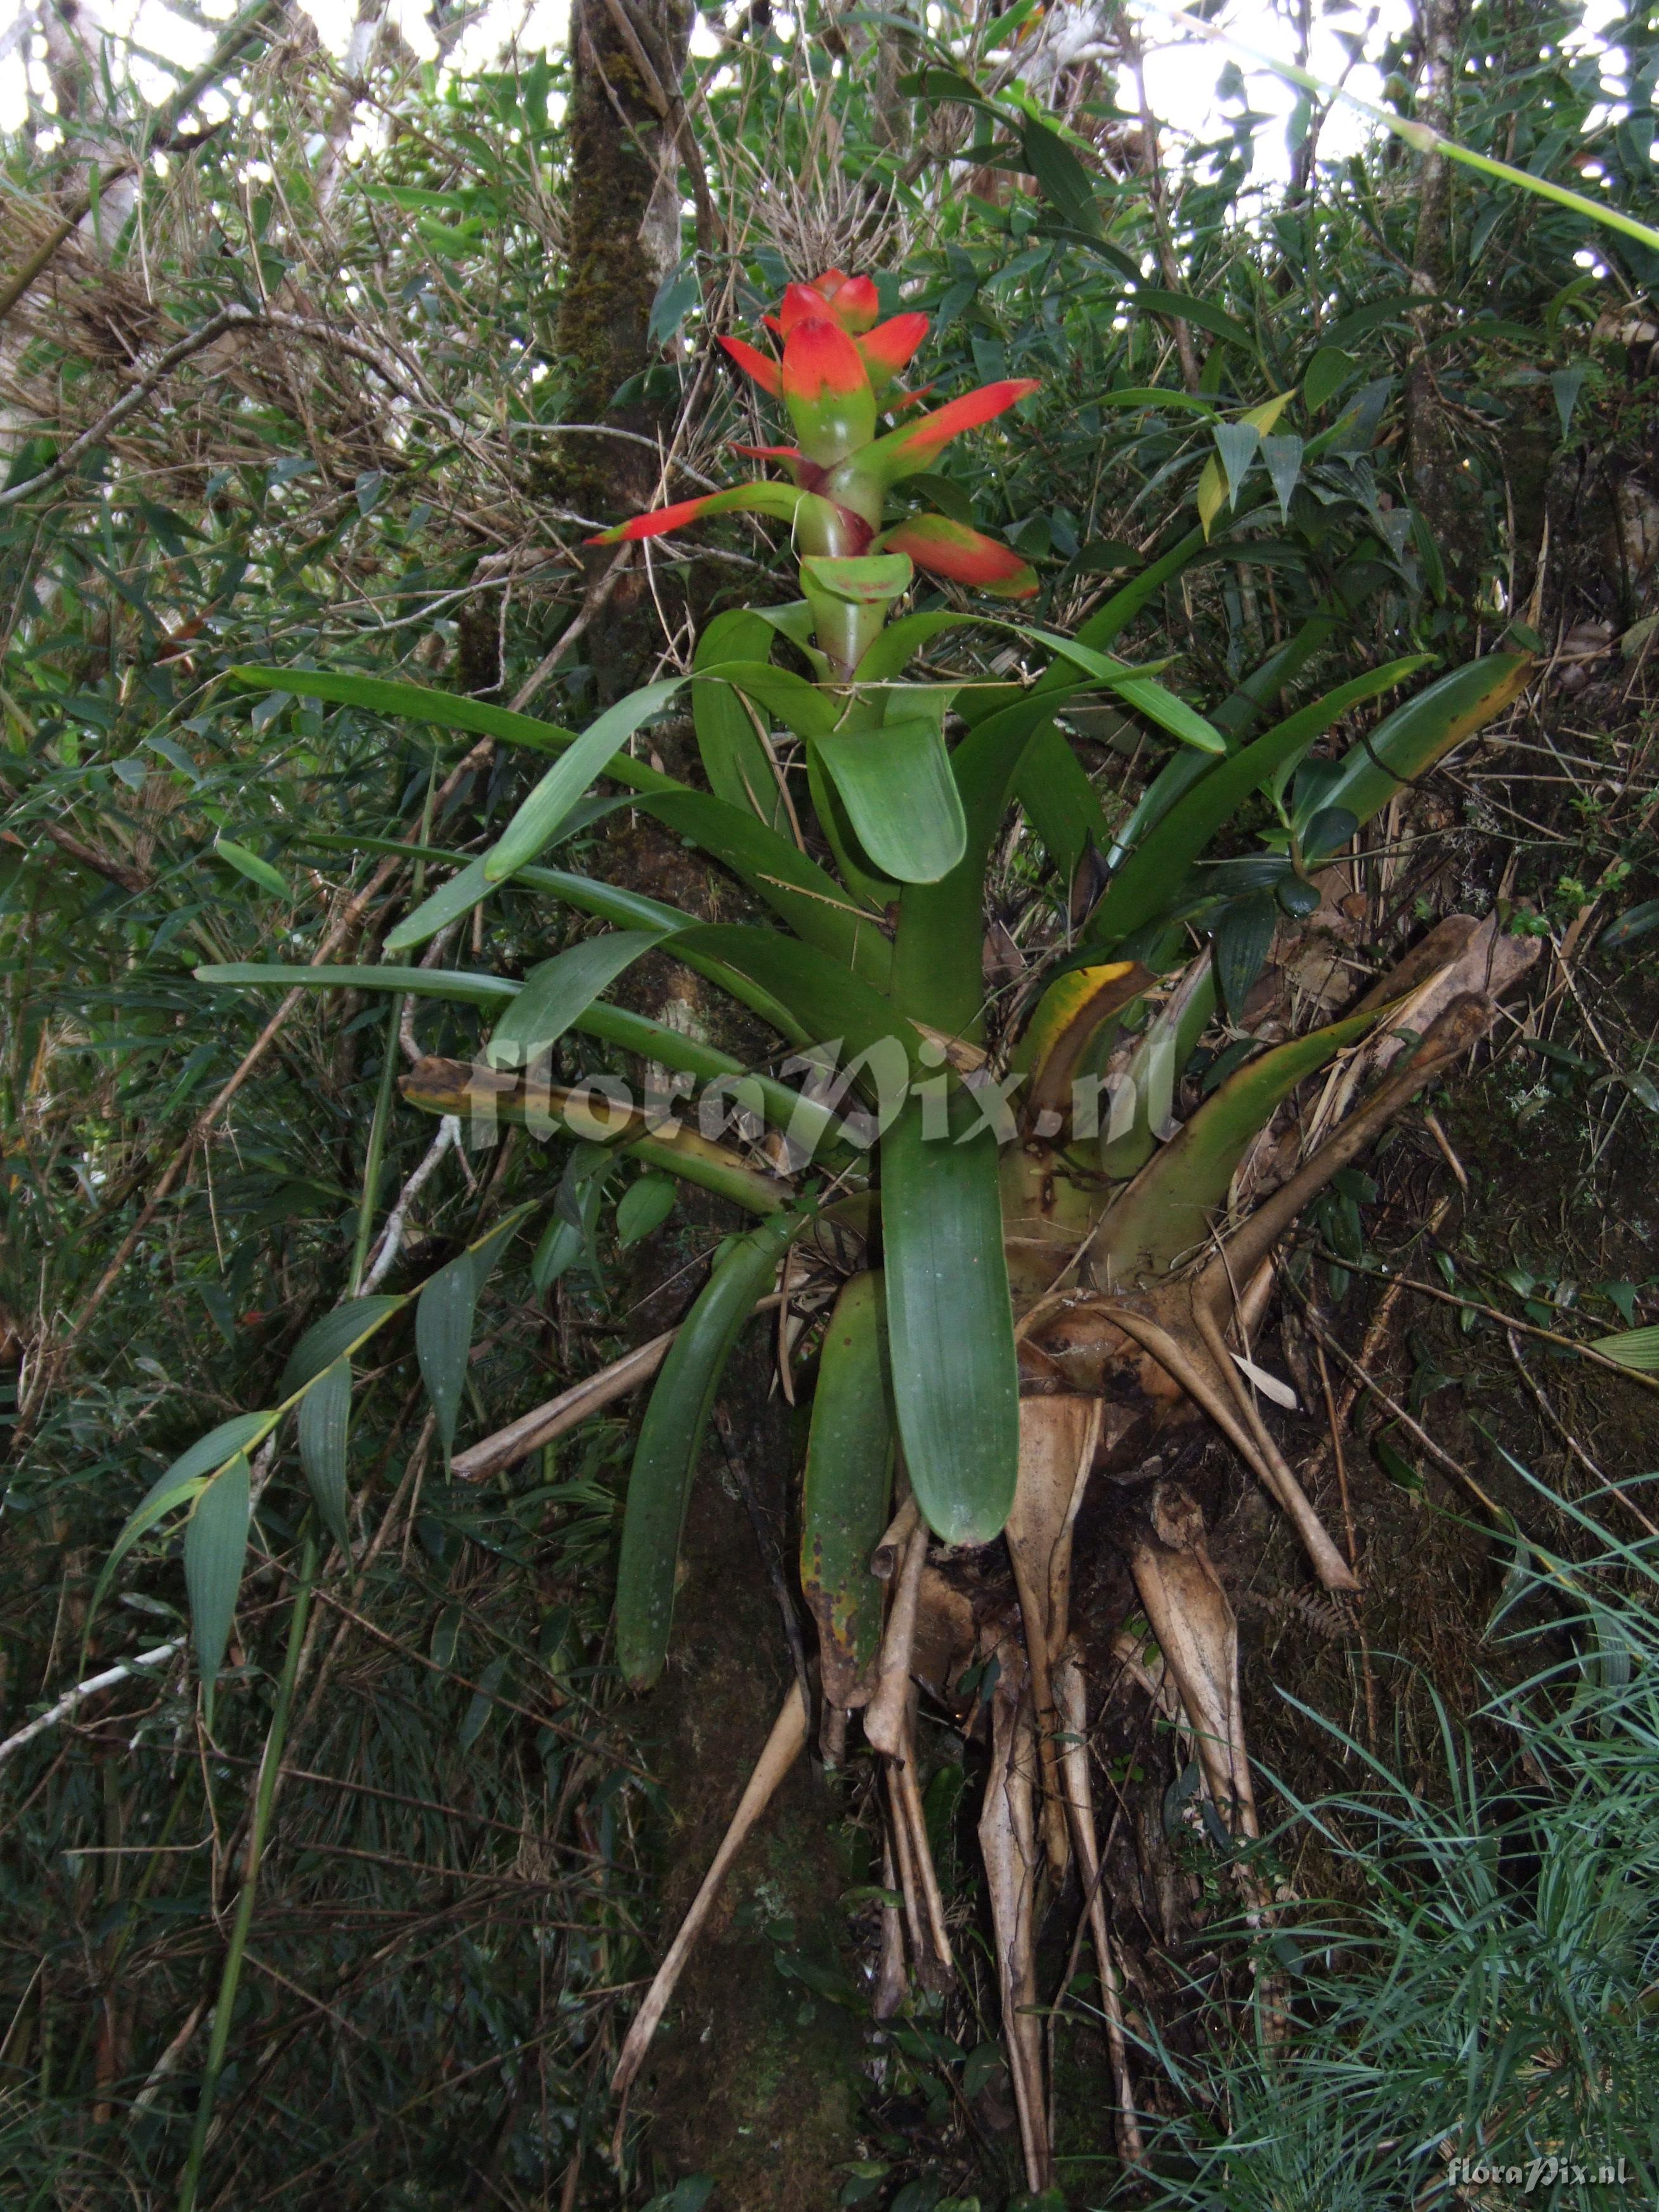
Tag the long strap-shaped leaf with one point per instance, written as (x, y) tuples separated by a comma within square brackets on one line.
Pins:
[(1166, 1210), (784, 1108), (443, 710), (950, 1326), (1142, 887), (845, 1497), (670, 1435), (1422, 731), (937, 974)]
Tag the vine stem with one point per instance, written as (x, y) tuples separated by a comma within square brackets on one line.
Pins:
[(265, 1799)]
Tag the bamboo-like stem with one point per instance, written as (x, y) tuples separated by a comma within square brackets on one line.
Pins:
[(265, 1799)]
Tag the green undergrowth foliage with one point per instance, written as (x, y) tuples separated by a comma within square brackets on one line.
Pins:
[(1473, 2024)]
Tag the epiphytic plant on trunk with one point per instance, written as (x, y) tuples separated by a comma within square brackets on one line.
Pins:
[(1018, 1272)]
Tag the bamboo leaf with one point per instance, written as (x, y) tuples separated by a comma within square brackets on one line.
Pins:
[(178, 1486), (559, 990), (642, 1207), (848, 1482), (901, 797), (215, 1544), (443, 1339), (950, 1326), (336, 1336), (324, 1419), (250, 865), (670, 1436), (540, 815)]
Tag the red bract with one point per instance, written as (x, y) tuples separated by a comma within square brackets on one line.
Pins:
[(889, 347), (836, 377), (966, 557), (753, 362)]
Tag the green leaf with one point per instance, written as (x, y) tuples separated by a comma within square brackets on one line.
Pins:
[(670, 1436), (469, 888), (215, 1544), (415, 703), (466, 989), (1159, 861), (1166, 1210), (1284, 459), (1062, 805), (808, 711), (823, 999), (1147, 696), (734, 758), (897, 646), (1061, 175), (951, 1326), (324, 1419), (336, 1336), (1327, 371), (178, 1484), (482, 1704), (1414, 736), (559, 990), (540, 815), (250, 865), (1631, 1347), (806, 895), (443, 1339), (1238, 444), (901, 797), (1182, 305), (643, 1207), (848, 1485), (1244, 937)]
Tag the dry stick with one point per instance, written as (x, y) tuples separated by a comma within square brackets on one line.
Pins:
[(1325, 1557), (72, 1699), (1008, 1847), (884, 1560), (783, 1747), (889, 1979), (1370, 1680), (568, 1410), (902, 1771), (899, 1828), (132, 399), (1510, 1320)]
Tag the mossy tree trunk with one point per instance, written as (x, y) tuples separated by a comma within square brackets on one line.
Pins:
[(623, 239)]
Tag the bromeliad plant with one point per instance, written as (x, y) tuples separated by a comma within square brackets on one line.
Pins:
[(1032, 1273)]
